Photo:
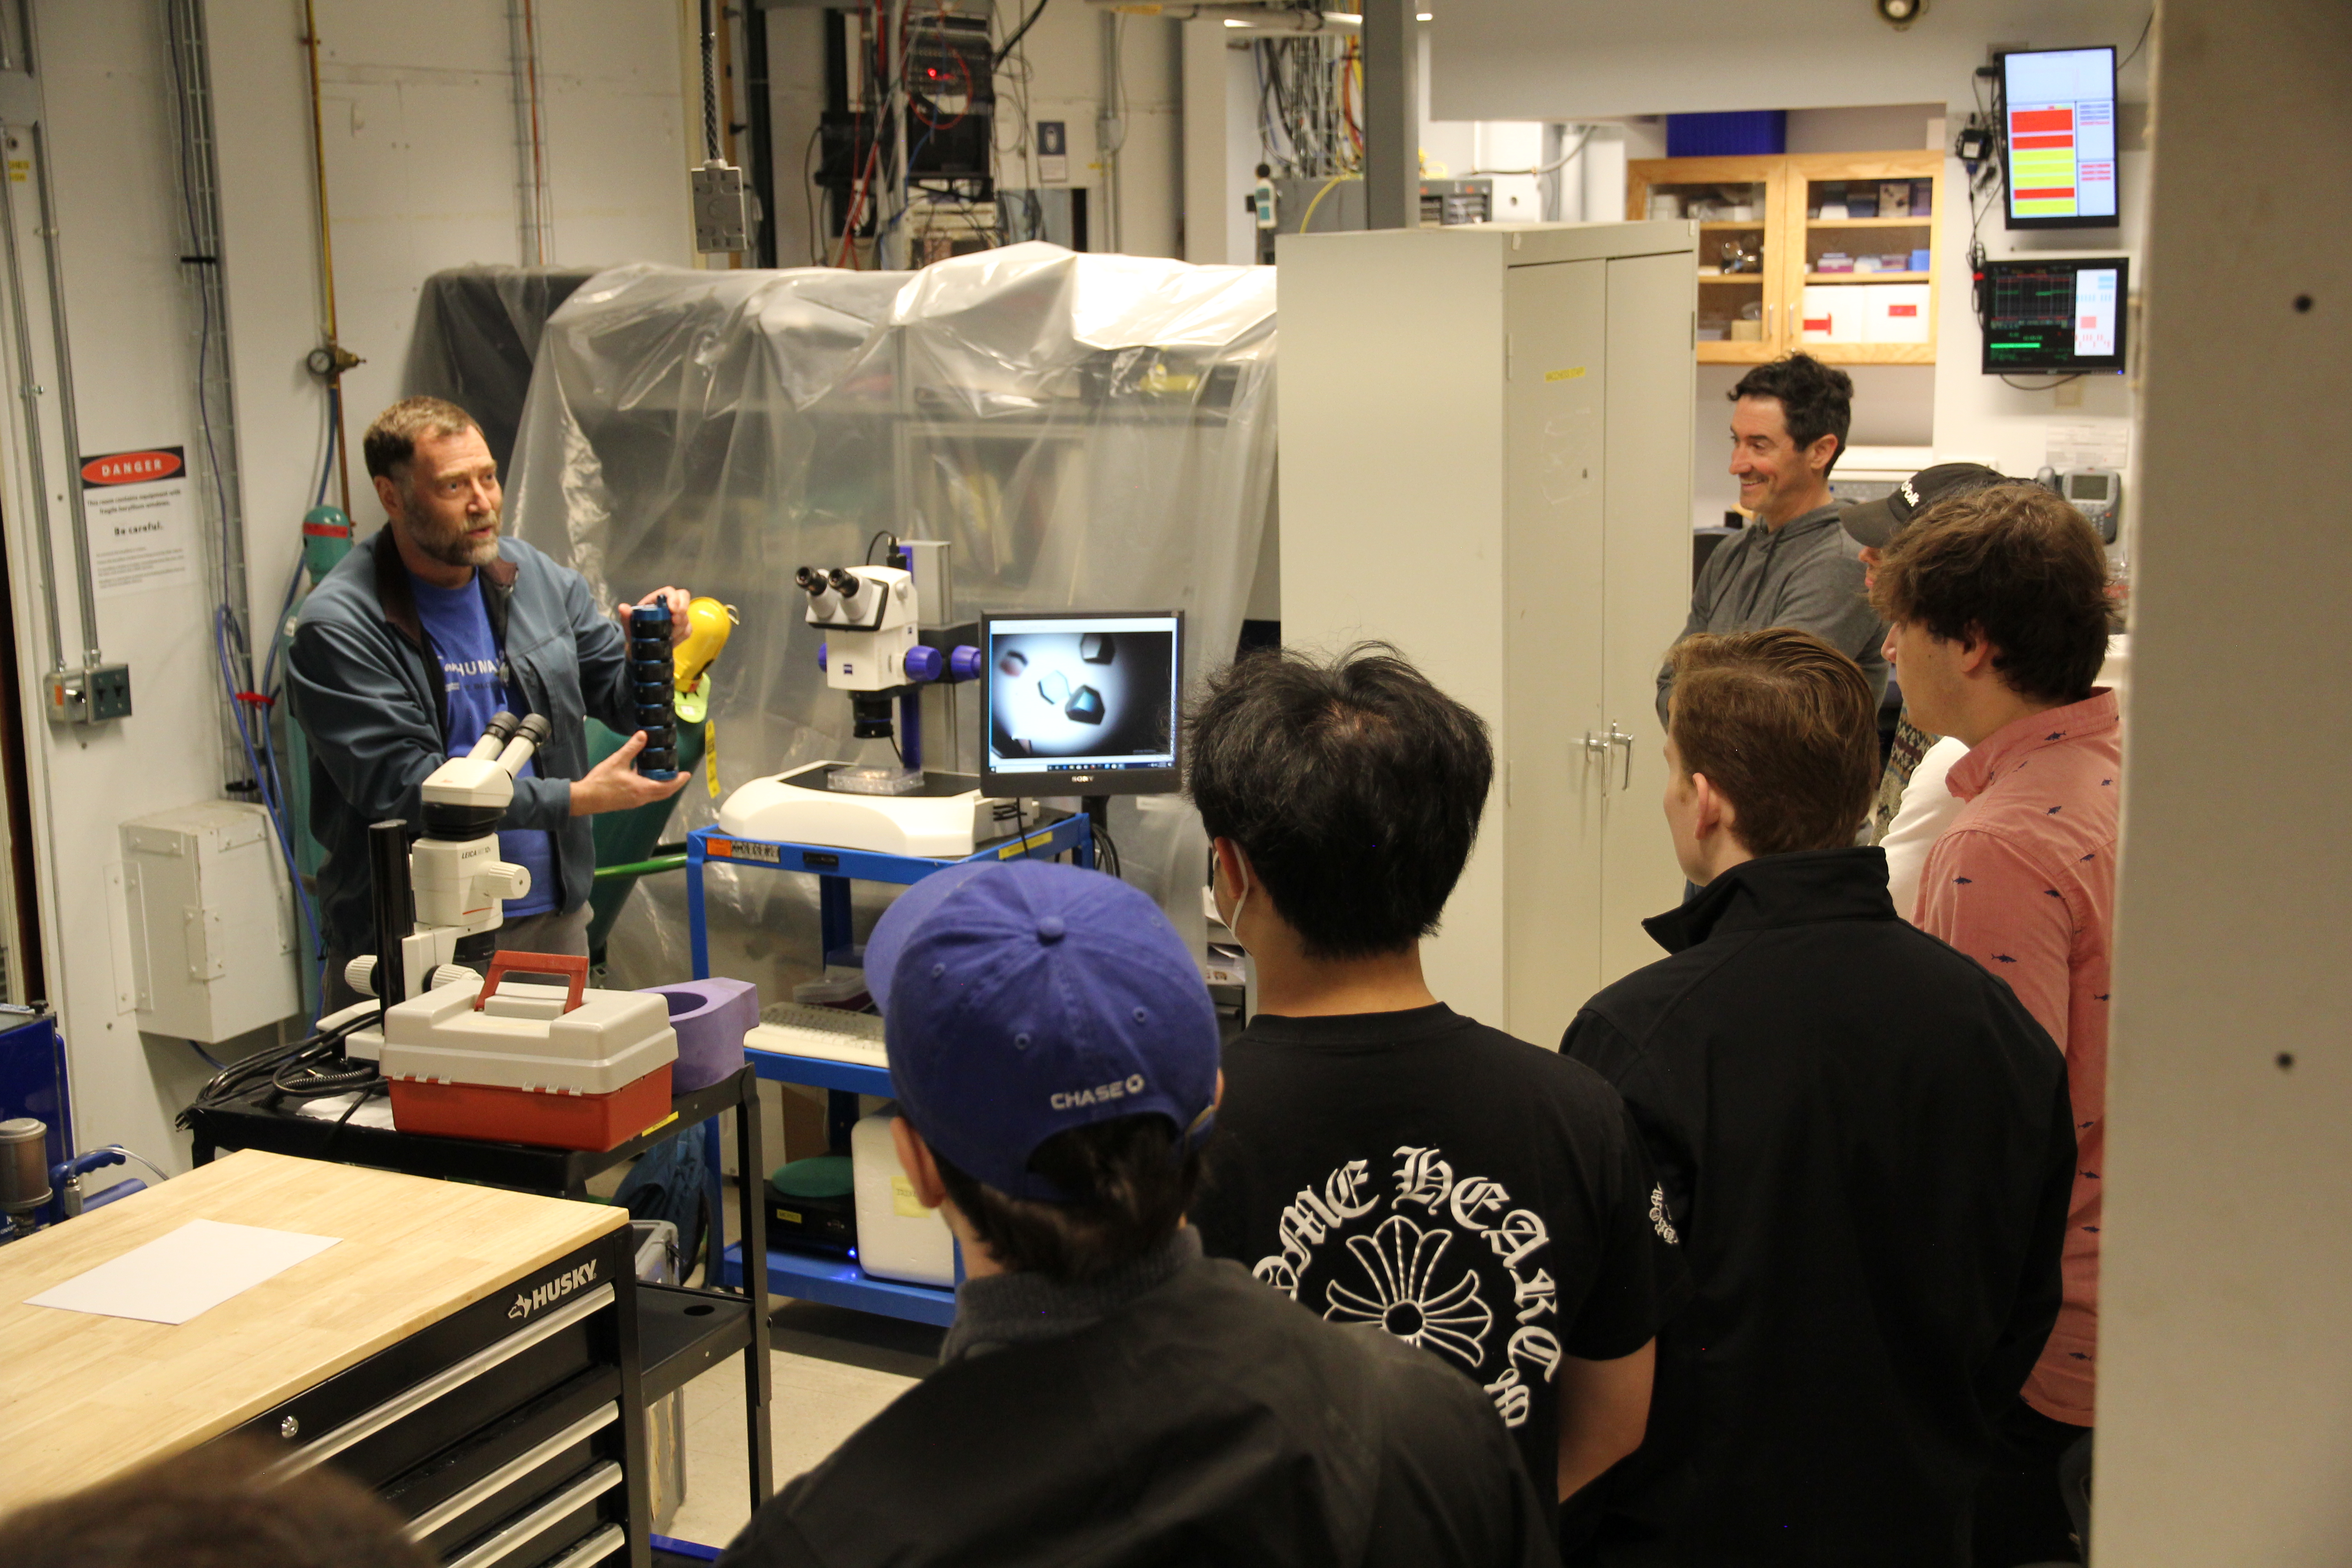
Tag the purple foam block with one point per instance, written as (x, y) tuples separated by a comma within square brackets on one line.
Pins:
[(712, 1017)]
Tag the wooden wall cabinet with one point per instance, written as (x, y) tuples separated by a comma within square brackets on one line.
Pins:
[(1763, 289)]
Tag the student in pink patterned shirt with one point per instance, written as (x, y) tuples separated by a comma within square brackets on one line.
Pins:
[(1997, 618)]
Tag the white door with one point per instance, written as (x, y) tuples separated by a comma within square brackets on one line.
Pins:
[(1555, 398), (1648, 554)]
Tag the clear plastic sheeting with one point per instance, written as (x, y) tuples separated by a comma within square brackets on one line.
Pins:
[(1091, 432)]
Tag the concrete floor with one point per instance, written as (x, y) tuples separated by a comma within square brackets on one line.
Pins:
[(830, 1370)]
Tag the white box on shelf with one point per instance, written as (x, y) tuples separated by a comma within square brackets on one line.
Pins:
[(1829, 314), (1894, 312), (897, 1237)]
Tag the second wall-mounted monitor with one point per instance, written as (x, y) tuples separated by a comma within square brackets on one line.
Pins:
[(2061, 316), (2058, 137), (1081, 703)]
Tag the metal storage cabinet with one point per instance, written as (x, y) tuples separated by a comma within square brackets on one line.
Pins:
[(1485, 448)]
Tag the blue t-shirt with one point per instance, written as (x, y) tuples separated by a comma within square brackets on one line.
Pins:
[(459, 626)]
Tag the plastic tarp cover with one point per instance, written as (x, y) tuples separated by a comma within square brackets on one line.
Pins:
[(478, 331), (1090, 431)]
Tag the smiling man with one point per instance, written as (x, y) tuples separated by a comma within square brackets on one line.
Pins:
[(413, 642), (1793, 567)]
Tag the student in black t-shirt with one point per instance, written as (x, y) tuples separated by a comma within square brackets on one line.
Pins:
[(1380, 1157)]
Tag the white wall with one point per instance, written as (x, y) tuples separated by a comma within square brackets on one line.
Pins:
[(423, 173), (2226, 1376), (423, 163), (108, 105)]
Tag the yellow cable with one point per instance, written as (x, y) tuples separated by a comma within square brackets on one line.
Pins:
[(1318, 201)]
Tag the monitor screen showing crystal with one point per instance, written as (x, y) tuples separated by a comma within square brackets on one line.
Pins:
[(1081, 704)]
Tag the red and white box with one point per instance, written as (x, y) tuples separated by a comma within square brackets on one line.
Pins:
[(562, 1067)]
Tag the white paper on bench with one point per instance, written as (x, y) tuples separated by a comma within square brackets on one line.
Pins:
[(193, 1269)]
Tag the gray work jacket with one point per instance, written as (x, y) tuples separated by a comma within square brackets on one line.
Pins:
[(1807, 576), (364, 681)]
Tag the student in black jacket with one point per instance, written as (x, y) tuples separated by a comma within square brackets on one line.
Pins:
[(1107, 1395), (1865, 1143)]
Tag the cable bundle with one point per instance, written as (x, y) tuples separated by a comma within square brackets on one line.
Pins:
[(307, 1068)]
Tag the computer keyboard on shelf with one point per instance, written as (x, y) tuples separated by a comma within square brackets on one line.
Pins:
[(793, 1028)]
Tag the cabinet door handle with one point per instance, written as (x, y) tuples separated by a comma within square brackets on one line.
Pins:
[(1769, 309), (1595, 745), (1620, 738)]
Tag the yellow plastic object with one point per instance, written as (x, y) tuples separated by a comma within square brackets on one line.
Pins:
[(708, 624)]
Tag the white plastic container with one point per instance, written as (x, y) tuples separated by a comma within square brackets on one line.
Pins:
[(522, 1038), (897, 1237)]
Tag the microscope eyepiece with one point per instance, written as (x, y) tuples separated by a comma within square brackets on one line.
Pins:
[(845, 582), (811, 581), (535, 729)]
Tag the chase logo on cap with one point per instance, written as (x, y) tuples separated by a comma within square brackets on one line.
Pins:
[(1101, 1094)]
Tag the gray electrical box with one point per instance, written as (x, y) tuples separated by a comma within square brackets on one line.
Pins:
[(722, 209), (212, 944)]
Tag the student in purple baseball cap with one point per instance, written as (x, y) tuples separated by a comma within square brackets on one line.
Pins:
[(1107, 1395)]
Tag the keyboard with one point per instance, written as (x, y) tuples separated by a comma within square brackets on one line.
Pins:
[(795, 1030)]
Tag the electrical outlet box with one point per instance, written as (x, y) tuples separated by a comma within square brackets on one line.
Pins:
[(212, 939), (97, 694), (722, 209)]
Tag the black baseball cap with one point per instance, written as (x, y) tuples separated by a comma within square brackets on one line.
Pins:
[(1875, 523)]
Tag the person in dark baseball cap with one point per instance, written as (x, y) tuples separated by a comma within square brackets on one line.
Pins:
[(1107, 1394), (1873, 524)]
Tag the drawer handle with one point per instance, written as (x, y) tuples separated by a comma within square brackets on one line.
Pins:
[(515, 1536), (426, 1523), (417, 1396)]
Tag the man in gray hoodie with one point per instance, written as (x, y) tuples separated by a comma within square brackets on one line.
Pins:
[(1793, 566)]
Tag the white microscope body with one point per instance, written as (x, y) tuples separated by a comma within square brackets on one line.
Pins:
[(460, 883), (875, 653)]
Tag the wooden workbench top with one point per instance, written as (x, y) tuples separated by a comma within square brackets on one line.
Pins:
[(85, 1397)]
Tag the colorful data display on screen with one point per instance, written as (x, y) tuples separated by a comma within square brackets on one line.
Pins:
[(1070, 694), (2059, 108), (2061, 315)]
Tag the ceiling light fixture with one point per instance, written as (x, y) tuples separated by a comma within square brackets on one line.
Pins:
[(1900, 13)]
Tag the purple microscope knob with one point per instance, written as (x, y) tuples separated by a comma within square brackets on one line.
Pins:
[(924, 663)]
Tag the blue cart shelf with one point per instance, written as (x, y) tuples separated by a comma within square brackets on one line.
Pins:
[(813, 1276)]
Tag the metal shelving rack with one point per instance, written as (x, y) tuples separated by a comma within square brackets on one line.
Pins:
[(813, 1276)]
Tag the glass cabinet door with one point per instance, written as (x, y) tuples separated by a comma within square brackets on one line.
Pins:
[(1736, 203), (1863, 275)]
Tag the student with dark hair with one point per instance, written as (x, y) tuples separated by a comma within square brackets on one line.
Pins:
[(2000, 612), (1384, 1159), (219, 1507), (1792, 566), (1863, 1142), (1107, 1395)]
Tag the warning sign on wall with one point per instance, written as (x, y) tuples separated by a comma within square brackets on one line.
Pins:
[(142, 530)]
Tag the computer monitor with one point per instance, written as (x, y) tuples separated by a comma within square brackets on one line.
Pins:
[(1081, 703), (2058, 137), (2064, 317)]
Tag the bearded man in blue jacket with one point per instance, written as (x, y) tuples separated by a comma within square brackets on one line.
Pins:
[(409, 645)]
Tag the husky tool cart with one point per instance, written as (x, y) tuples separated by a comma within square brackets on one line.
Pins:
[(470, 1354)]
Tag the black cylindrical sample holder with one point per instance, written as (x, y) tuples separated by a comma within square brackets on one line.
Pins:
[(651, 675)]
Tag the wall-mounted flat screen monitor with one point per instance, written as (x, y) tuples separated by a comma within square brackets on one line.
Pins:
[(2058, 137), (1081, 703), (2051, 315)]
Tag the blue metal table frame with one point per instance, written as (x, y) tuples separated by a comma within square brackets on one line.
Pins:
[(813, 1275)]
